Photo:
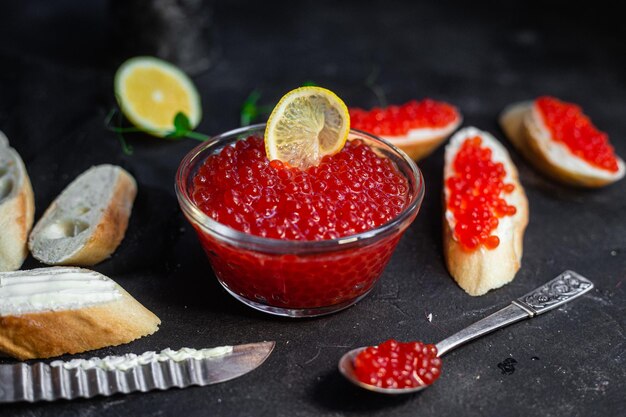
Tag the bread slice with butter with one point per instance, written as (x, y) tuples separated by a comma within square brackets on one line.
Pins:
[(48, 312), (88, 220), (17, 207)]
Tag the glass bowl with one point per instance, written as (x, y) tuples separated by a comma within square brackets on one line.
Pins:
[(297, 278)]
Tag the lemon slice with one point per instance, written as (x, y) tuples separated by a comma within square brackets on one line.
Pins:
[(307, 124), (151, 92)]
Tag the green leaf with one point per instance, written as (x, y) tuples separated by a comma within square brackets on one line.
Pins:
[(182, 129), (181, 122), (182, 126), (309, 83)]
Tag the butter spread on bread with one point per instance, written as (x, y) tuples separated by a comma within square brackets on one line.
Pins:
[(54, 289), (51, 311)]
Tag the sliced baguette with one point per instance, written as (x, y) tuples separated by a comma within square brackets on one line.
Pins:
[(419, 143), (17, 207), (88, 220), (523, 125), (481, 270), (48, 312)]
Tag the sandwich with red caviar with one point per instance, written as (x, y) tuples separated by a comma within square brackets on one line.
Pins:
[(416, 127), (485, 212), (562, 142)]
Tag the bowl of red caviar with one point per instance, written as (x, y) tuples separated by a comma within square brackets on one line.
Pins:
[(293, 242)]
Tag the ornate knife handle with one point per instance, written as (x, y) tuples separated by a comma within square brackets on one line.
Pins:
[(562, 289), (555, 293)]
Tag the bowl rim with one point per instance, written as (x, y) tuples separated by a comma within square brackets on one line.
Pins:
[(241, 239)]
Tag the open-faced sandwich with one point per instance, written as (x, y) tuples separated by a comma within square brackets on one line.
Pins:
[(485, 212), (416, 127), (47, 312), (562, 142)]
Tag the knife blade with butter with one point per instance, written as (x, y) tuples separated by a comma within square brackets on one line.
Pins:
[(80, 378)]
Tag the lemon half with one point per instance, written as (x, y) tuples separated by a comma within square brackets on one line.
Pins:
[(307, 124), (151, 92)]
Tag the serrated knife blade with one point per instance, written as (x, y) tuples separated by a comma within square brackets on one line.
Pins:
[(42, 382)]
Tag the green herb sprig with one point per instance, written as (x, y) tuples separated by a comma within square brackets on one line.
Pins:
[(251, 110), (182, 129)]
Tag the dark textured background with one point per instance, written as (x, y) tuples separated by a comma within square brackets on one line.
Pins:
[(57, 64)]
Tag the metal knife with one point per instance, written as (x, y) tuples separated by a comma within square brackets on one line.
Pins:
[(43, 382)]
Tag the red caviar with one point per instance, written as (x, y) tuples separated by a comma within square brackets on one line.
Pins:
[(569, 125), (476, 192), (398, 120), (394, 364), (347, 193)]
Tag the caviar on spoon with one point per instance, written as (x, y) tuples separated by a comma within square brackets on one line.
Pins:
[(403, 368)]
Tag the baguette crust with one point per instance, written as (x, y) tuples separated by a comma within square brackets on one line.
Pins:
[(53, 333), (49, 334), (426, 142), (110, 232), (527, 135), (17, 209), (482, 270), (104, 236)]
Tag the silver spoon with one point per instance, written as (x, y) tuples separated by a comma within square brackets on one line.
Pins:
[(562, 289)]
